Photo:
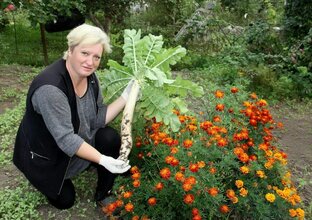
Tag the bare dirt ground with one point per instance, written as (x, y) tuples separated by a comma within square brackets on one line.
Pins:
[(295, 139)]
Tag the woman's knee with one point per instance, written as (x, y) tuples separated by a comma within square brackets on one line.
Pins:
[(108, 141), (67, 197)]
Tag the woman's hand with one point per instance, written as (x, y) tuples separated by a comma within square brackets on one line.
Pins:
[(114, 165)]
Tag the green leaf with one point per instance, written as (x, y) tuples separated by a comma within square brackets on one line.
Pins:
[(168, 57), (184, 87), (180, 105)]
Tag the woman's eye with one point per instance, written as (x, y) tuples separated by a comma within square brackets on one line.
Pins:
[(84, 53), (97, 58)]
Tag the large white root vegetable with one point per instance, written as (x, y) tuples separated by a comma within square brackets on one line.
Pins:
[(126, 123)]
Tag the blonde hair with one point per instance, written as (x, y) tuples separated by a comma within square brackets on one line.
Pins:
[(86, 34)]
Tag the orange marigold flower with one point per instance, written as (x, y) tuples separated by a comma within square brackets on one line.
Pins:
[(222, 142), (205, 125), (110, 208), (217, 118), (191, 127), (187, 143), (174, 162), (187, 186), (300, 212), (270, 197), (119, 203), (195, 211), (220, 107), (152, 201), (213, 191), (182, 118), (234, 90), (197, 217), (168, 159), (212, 170), (219, 94), (190, 180), (155, 126), (224, 209), (244, 169), (234, 200), (243, 192), (193, 167), (136, 183), (239, 183), (243, 157), (127, 194), (292, 213), (253, 95), (230, 193), (188, 199), (134, 169), (145, 217), (179, 176), (280, 125), (136, 176), (165, 173), (159, 186), (129, 207), (136, 217), (174, 150)]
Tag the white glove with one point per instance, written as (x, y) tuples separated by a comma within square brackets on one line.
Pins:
[(114, 165)]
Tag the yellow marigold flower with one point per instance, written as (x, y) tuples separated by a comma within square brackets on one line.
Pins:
[(300, 212), (201, 164), (239, 183), (292, 213), (278, 156), (234, 200), (287, 175), (260, 174), (280, 193), (270, 197), (268, 165), (287, 192), (244, 169), (269, 153), (243, 192)]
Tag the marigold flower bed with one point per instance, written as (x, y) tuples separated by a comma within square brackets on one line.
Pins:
[(223, 164)]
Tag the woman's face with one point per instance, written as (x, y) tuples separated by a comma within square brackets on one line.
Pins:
[(83, 60)]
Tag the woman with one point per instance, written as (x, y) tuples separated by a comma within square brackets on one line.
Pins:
[(64, 126)]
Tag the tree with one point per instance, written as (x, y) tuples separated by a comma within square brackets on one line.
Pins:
[(298, 18)]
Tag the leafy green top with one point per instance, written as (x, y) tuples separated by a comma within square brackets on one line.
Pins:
[(146, 61)]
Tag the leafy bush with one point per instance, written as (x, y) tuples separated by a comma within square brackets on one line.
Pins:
[(223, 163)]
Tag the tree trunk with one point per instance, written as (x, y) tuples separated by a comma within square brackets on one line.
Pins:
[(44, 44)]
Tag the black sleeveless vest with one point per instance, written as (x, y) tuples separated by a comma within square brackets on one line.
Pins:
[(36, 153)]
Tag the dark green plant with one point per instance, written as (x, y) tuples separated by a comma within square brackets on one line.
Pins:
[(298, 18)]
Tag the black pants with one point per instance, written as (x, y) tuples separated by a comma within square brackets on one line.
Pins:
[(107, 142)]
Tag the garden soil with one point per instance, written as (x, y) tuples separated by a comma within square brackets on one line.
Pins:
[(295, 139)]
